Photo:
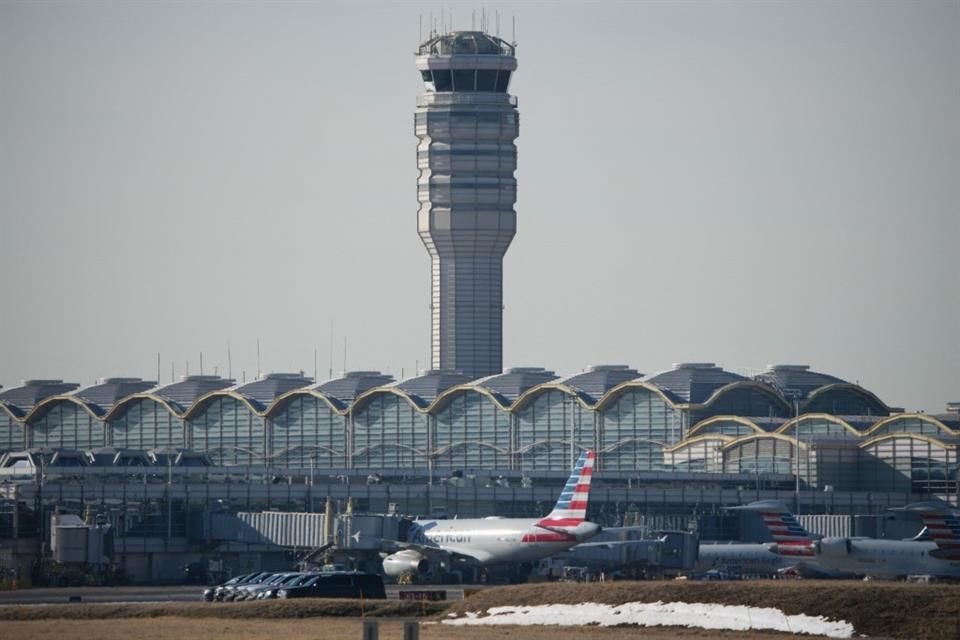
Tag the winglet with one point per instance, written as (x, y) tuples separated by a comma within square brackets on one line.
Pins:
[(571, 508)]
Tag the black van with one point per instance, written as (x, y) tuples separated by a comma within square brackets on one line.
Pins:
[(338, 585)]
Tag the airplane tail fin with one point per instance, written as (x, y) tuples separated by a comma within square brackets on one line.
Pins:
[(941, 525), (571, 508), (787, 532)]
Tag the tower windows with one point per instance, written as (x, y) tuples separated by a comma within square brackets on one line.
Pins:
[(467, 80)]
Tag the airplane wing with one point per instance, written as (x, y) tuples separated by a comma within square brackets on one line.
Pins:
[(611, 544), (436, 553)]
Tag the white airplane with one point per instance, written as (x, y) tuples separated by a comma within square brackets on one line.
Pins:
[(934, 552), (486, 541)]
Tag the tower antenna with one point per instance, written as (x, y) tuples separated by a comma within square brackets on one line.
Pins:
[(258, 358), (514, 18), (201, 363), (158, 367), (420, 30), (330, 373), (497, 14), (229, 362), (344, 354)]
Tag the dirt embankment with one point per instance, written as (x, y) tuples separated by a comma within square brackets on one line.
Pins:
[(891, 610), (306, 608), (879, 610)]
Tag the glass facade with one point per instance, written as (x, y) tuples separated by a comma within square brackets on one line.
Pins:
[(909, 463), (634, 429), (820, 427), (844, 402), (909, 424), (552, 428), (472, 432), (229, 432), (12, 435), (764, 454), (703, 454), (66, 425), (145, 423), (389, 432), (744, 401), (306, 430), (724, 427), (637, 430)]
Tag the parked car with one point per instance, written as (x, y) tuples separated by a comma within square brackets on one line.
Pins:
[(250, 591), (212, 594), (337, 585)]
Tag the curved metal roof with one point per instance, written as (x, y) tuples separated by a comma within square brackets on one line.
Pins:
[(693, 381), (266, 389), (471, 43), (425, 388), (352, 384), (109, 391), (34, 391), (795, 377), (190, 388), (512, 383), (596, 380)]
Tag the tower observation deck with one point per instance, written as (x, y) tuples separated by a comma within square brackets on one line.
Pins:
[(466, 124)]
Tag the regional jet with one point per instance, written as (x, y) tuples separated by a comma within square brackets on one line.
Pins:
[(791, 545), (486, 541), (934, 552)]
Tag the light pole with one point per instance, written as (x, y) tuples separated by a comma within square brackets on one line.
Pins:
[(796, 434)]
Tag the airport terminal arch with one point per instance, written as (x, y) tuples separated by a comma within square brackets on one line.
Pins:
[(472, 431), (635, 425), (146, 423), (229, 430), (389, 432), (65, 424), (308, 431)]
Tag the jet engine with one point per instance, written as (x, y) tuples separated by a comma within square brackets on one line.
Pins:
[(405, 563), (833, 547)]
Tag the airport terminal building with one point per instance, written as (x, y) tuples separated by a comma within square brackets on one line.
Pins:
[(693, 419), (161, 462)]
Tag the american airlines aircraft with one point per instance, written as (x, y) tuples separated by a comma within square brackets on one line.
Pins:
[(791, 544), (934, 552), (485, 541)]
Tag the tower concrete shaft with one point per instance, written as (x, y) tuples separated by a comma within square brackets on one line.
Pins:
[(466, 123)]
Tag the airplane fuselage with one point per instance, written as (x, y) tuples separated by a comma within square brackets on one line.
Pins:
[(885, 558), (749, 558), (497, 540)]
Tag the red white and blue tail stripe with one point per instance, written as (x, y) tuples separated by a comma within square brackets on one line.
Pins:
[(942, 526), (571, 508), (787, 532)]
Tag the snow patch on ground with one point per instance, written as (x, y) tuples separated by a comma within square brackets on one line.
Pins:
[(652, 614)]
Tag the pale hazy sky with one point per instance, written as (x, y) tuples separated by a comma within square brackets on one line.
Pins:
[(743, 183)]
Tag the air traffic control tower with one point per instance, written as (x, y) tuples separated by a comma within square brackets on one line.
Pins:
[(466, 123)]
